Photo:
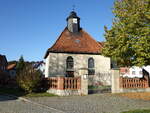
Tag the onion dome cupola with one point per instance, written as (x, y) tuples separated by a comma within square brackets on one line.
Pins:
[(73, 22)]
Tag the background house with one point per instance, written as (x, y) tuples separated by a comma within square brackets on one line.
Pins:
[(147, 69), (40, 65), (135, 71), (3, 63), (4, 75), (12, 70)]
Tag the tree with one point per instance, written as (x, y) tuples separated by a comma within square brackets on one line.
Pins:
[(20, 65), (29, 78), (127, 42)]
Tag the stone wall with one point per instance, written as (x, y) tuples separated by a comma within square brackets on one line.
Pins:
[(115, 88), (65, 86), (122, 85), (126, 82), (64, 92), (63, 83), (56, 64)]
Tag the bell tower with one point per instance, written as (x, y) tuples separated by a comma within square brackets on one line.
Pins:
[(73, 22)]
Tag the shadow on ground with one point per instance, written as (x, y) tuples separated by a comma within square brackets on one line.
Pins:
[(4, 97), (10, 93)]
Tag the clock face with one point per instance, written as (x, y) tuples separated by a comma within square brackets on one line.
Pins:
[(75, 20)]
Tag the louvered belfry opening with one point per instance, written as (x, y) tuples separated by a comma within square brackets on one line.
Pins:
[(73, 22)]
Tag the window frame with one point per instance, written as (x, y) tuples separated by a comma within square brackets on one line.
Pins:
[(91, 66), (69, 63)]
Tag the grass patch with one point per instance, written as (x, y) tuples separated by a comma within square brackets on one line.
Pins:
[(137, 111), (18, 92), (99, 87)]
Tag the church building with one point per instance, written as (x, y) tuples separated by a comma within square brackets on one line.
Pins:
[(74, 50)]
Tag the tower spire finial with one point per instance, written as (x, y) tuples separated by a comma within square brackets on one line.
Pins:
[(73, 7), (73, 21)]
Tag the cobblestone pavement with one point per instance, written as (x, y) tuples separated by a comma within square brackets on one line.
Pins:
[(97, 103), (14, 105)]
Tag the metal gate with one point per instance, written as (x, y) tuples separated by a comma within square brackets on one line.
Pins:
[(99, 83)]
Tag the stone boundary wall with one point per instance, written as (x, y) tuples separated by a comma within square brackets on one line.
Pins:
[(134, 82), (125, 90), (122, 85), (64, 86), (64, 92), (64, 83)]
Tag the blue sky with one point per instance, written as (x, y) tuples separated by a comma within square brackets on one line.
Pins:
[(30, 27)]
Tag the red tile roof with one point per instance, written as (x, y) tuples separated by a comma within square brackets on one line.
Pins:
[(124, 70), (101, 44), (11, 66), (80, 42)]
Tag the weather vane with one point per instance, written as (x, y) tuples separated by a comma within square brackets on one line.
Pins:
[(73, 7)]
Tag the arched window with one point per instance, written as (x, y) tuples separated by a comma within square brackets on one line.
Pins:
[(91, 66), (69, 63)]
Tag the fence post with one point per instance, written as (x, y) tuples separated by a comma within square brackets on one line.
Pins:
[(84, 81), (115, 81), (60, 83)]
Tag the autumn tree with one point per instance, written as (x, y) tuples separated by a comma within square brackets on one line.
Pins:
[(128, 40)]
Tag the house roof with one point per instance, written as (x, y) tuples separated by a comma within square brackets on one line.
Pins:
[(101, 44), (80, 42), (73, 15), (3, 60), (38, 64), (147, 68), (2, 57), (11, 66)]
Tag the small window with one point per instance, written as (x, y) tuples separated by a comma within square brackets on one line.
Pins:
[(69, 63), (133, 72), (91, 70), (140, 73)]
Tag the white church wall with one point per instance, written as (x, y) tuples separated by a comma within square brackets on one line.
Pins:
[(56, 64), (47, 66)]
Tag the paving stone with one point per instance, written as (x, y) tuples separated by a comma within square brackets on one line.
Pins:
[(96, 103), (14, 105)]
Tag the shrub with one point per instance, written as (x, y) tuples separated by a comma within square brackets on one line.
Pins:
[(29, 79)]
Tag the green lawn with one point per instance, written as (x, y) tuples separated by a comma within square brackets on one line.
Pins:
[(137, 111), (18, 92)]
